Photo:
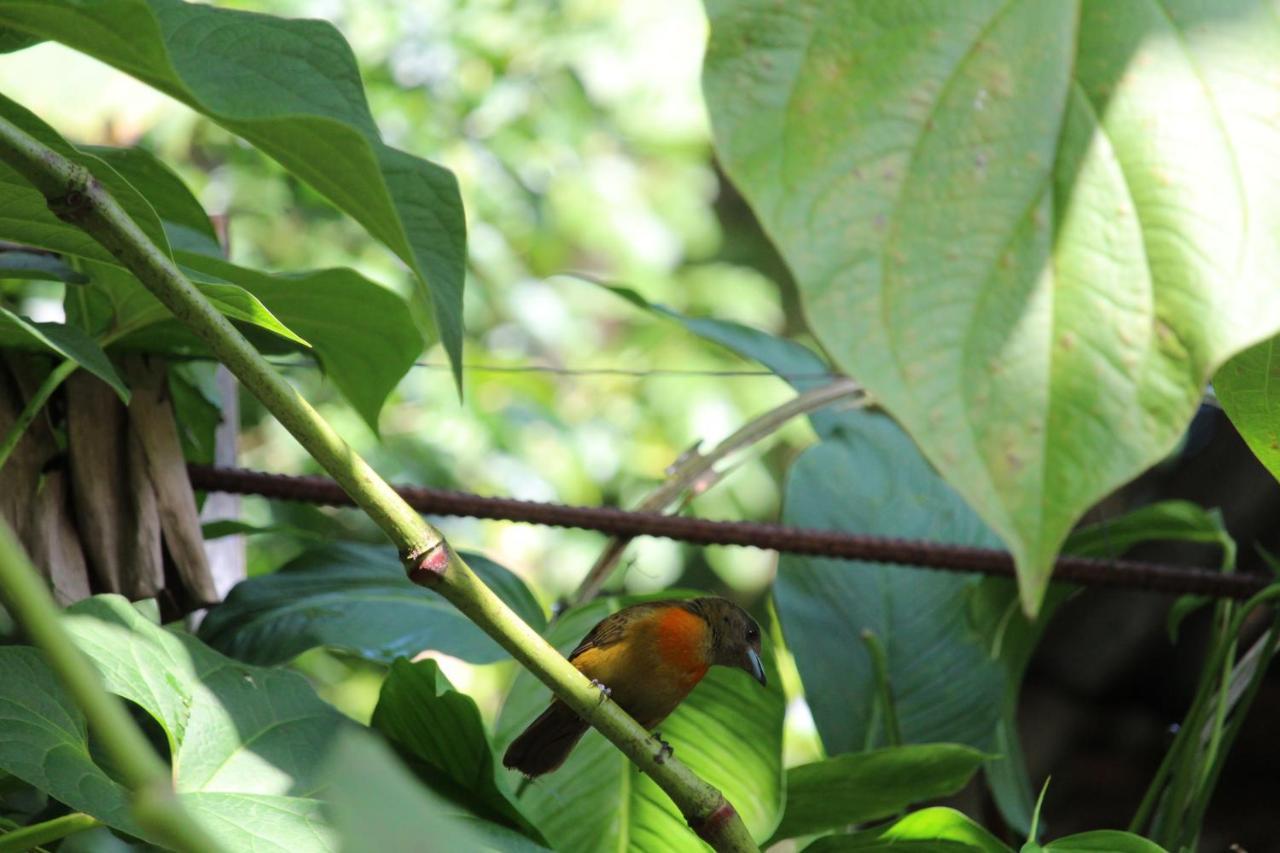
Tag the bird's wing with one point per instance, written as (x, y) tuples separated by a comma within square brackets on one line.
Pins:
[(612, 628)]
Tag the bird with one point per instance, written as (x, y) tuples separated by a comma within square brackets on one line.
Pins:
[(647, 658)]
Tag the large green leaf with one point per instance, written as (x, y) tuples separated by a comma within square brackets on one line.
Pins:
[(361, 332), (355, 598), (867, 786), (25, 216), (1032, 230), (729, 732), (440, 731), (114, 306), (1248, 386), (376, 804), (66, 341), (936, 830), (246, 742), (867, 477), (291, 88)]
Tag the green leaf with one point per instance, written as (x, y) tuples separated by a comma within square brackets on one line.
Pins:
[(376, 804), (1174, 521), (936, 830), (867, 786), (356, 598), (38, 266), (867, 477), (25, 216), (185, 222), (246, 742), (117, 308), (66, 341), (1248, 387), (729, 732), (291, 88), (440, 730), (1177, 521), (1104, 841), (360, 332), (1032, 230)]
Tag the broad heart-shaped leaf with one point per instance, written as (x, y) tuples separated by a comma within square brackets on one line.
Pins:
[(356, 598), (1032, 230), (291, 88), (868, 478), (375, 804), (1248, 386), (246, 742), (936, 830), (440, 732), (66, 341), (728, 731), (867, 786)]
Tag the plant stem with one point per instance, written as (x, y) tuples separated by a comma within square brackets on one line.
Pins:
[(77, 198), (33, 407), (36, 834), (696, 469), (880, 669), (155, 806)]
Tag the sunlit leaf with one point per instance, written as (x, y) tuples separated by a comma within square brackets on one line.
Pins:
[(291, 88), (1032, 230), (867, 786)]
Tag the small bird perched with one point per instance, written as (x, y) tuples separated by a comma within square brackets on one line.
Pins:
[(647, 658)]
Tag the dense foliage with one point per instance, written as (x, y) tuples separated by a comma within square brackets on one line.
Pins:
[(1033, 232)]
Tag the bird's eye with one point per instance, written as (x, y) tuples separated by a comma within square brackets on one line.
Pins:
[(753, 634)]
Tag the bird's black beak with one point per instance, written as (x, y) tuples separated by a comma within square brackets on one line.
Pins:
[(755, 666)]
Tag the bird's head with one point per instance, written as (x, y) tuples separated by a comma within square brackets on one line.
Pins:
[(735, 636)]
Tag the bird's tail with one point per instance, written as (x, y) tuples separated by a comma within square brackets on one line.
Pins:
[(547, 742)]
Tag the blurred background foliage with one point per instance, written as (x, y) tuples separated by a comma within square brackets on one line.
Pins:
[(578, 134)]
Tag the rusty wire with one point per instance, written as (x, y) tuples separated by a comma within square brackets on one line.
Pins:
[(1128, 574)]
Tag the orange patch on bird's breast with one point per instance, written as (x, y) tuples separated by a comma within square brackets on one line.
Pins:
[(683, 644)]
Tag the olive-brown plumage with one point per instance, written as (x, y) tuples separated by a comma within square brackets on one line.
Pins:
[(649, 656)]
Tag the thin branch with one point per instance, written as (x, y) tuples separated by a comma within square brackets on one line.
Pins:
[(697, 470), (154, 805), (32, 409), (77, 198), (27, 837)]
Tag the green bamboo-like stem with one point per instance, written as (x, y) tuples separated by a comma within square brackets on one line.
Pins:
[(33, 407), (26, 837), (154, 805), (1189, 735), (880, 668), (698, 469), (77, 198)]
